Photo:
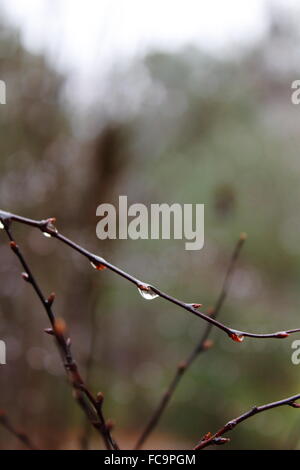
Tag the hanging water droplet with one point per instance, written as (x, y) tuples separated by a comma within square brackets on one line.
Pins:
[(239, 338), (1, 225), (147, 292), (50, 229), (98, 266)]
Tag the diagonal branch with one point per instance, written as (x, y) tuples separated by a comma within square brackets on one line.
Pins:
[(217, 439), (203, 345), (147, 290), (5, 422), (91, 406)]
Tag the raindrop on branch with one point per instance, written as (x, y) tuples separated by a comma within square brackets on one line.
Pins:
[(99, 266), (147, 292), (239, 338)]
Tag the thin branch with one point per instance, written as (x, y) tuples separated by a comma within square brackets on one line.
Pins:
[(91, 406), (5, 422), (216, 439), (47, 227), (203, 345)]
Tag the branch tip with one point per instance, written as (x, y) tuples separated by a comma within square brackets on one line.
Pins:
[(51, 298)]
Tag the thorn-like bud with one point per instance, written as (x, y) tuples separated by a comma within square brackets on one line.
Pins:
[(68, 342), (60, 326), (295, 405), (13, 245), (100, 398), (49, 331), (243, 236), (51, 298), (208, 344), (182, 366), (25, 276), (206, 436), (282, 334)]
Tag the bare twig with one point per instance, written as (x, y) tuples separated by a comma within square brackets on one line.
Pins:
[(91, 406), (217, 439), (47, 227), (5, 422), (203, 345)]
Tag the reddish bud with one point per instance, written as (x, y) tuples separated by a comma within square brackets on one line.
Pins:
[(144, 287), (13, 245), (99, 266), (60, 326), (51, 298), (197, 305), (236, 337), (206, 436), (282, 334), (295, 405), (25, 276)]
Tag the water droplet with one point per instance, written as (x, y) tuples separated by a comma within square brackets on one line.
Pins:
[(49, 225), (147, 292), (98, 266), (239, 338), (1, 225)]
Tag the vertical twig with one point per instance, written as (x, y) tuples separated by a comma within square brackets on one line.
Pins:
[(24, 438), (203, 345), (91, 406), (217, 439)]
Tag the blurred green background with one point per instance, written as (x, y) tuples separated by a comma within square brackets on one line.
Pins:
[(183, 126)]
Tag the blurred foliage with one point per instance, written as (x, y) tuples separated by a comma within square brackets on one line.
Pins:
[(183, 127)]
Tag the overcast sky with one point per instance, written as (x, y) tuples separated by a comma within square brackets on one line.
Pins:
[(86, 36)]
